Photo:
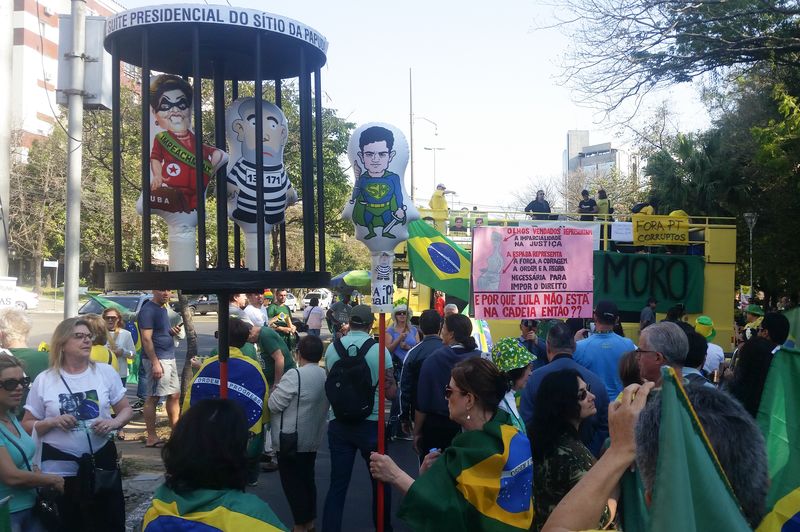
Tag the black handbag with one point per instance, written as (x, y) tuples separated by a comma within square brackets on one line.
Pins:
[(95, 480), (287, 441), (45, 508)]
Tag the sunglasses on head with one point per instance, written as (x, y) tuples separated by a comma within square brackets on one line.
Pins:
[(10, 385), (582, 394)]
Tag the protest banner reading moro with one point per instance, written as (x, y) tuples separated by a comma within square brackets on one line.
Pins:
[(532, 272), (655, 230)]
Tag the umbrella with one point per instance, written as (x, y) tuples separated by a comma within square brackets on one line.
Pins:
[(351, 279)]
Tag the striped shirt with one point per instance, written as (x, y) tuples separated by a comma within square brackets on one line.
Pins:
[(276, 185)]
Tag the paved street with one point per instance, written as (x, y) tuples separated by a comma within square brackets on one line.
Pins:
[(357, 515)]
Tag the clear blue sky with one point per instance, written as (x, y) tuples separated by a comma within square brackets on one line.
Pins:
[(480, 72)]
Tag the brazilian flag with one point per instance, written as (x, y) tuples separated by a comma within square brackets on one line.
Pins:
[(691, 492), (437, 261), (483, 481), (779, 421), (209, 510)]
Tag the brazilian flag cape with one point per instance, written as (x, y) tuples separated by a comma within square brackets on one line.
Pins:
[(209, 510), (691, 492), (246, 385), (779, 421), (482, 482), (438, 262)]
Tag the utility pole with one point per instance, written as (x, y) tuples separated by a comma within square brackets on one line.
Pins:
[(411, 131), (6, 71), (72, 238)]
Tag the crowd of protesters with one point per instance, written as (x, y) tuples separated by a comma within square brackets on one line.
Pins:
[(555, 417)]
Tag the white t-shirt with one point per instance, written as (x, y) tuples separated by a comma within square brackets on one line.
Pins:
[(313, 317), (255, 315), (123, 339), (93, 392), (714, 357)]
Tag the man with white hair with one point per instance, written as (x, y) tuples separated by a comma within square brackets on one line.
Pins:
[(661, 344), (450, 308)]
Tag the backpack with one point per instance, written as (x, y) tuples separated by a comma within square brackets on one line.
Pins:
[(349, 385)]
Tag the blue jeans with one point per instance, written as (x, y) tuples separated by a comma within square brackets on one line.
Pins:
[(344, 440), (313, 332), (25, 521)]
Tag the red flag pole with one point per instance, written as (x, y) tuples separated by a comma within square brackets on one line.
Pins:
[(381, 411)]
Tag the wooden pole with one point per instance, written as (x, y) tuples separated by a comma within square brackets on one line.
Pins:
[(381, 412)]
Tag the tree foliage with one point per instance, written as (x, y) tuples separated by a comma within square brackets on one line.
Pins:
[(622, 49)]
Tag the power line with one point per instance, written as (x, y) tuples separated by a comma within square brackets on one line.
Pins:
[(44, 76)]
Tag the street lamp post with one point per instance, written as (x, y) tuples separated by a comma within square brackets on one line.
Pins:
[(434, 150), (750, 219)]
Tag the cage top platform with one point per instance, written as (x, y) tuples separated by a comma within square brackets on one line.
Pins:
[(227, 37)]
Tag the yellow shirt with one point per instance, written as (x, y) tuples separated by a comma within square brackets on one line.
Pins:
[(101, 353)]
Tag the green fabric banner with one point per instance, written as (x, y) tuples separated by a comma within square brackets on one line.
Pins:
[(631, 279)]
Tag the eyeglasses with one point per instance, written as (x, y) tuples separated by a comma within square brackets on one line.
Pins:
[(10, 385), (110, 318), (448, 391), (83, 336), (639, 351), (583, 393), (400, 313)]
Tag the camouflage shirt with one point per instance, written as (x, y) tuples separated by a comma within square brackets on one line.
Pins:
[(558, 473)]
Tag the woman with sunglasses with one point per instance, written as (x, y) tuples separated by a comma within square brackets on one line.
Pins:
[(560, 459), (401, 336), (119, 341), (17, 477), (488, 447), (70, 407)]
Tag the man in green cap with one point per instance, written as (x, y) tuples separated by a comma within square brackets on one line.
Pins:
[(754, 315), (714, 354)]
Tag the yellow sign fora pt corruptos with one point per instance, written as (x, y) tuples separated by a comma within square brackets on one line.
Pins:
[(656, 230)]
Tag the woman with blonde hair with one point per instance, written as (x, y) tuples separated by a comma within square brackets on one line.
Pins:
[(70, 406), (119, 341), (100, 353), (401, 336)]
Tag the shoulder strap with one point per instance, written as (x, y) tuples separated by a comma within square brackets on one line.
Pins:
[(15, 444), (340, 348), (89, 439), (365, 347)]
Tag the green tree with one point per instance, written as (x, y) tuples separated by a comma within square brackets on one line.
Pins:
[(623, 50), (37, 204)]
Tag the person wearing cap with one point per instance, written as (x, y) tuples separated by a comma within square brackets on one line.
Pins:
[(345, 440), (531, 341), (715, 355), (539, 208), (438, 202), (648, 314), (560, 348), (587, 206), (401, 336), (515, 363), (600, 352), (754, 315)]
